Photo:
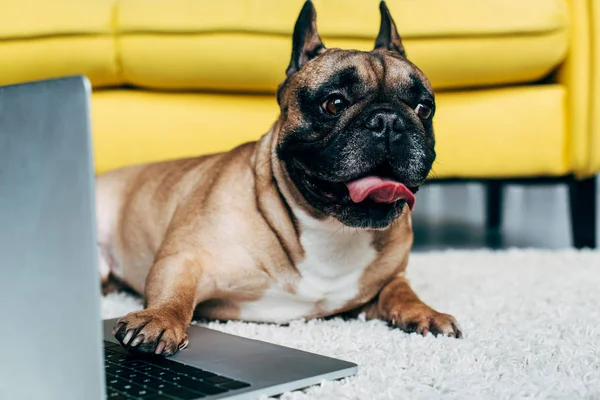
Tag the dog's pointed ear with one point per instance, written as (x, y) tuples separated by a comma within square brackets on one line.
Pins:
[(306, 42), (388, 37)]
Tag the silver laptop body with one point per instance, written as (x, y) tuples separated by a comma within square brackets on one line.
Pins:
[(50, 325)]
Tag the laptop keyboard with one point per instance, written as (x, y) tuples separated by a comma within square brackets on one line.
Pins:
[(155, 378)]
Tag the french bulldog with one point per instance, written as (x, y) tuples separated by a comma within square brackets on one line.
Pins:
[(312, 220)]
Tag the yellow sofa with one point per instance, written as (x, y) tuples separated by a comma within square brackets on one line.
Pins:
[(516, 80)]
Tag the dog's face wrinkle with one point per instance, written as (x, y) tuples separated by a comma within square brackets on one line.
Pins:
[(340, 148), (343, 81), (380, 73)]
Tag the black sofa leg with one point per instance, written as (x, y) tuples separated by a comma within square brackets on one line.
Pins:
[(494, 194), (583, 212)]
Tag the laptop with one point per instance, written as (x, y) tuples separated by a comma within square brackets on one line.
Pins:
[(54, 342)]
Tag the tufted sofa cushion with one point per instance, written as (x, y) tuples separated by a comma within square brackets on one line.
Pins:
[(244, 45)]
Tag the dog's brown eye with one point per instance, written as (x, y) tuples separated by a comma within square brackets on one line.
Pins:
[(334, 105), (423, 111)]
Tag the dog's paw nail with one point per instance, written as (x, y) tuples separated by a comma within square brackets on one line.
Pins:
[(160, 348), (117, 328), (138, 339), (457, 330), (184, 344), (128, 336)]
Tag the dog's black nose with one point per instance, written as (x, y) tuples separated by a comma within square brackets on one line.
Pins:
[(381, 122)]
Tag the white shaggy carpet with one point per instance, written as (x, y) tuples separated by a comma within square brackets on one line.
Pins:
[(531, 321)]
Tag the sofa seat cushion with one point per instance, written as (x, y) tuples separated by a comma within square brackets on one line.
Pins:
[(474, 136), (245, 44)]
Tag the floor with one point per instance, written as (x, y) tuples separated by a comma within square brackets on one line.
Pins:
[(452, 216), (530, 319)]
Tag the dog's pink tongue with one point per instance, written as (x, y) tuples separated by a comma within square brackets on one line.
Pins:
[(380, 191)]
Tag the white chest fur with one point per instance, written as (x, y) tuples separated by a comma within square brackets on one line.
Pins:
[(335, 260)]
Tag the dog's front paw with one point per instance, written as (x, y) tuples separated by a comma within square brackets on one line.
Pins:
[(151, 331), (422, 319)]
